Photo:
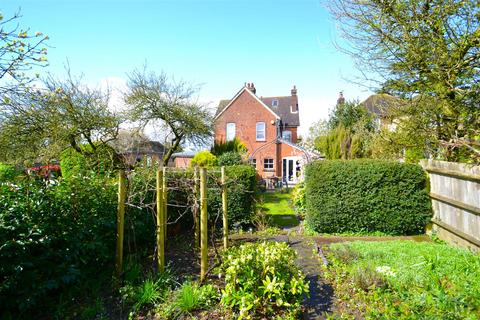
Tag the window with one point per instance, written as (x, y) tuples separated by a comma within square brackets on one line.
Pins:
[(287, 135), (268, 164), (275, 103), (230, 131), (253, 162), (260, 131)]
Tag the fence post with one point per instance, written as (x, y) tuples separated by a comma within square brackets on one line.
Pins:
[(120, 222), (196, 217), (160, 223), (203, 224), (165, 203), (225, 208)]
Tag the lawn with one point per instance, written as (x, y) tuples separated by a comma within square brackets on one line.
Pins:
[(404, 280), (279, 209)]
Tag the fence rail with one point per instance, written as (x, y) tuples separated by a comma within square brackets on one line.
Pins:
[(455, 194)]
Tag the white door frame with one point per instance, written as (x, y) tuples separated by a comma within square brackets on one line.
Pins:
[(295, 170)]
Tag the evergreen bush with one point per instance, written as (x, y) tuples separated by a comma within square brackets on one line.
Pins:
[(367, 196)]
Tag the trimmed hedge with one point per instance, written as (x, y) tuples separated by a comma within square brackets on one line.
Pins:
[(367, 196)]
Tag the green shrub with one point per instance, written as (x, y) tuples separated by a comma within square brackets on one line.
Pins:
[(229, 158), (241, 192), (204, 159), (102, 161), (234, 145), (8, 172), (298, 199), (55, 236), (261, 279), (367, 196)]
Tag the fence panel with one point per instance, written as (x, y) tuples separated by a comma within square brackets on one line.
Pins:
[(455, 193)]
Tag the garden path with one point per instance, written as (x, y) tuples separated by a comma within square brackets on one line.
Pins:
[(321, 293)]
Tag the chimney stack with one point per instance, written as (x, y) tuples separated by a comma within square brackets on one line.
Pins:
[(341, 99), (251, 87), (294, 107)]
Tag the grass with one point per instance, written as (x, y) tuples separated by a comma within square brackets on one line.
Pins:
[(279, 209), (405, 280)]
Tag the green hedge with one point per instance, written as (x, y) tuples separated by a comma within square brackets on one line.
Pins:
[(241, 191), (367, 196)]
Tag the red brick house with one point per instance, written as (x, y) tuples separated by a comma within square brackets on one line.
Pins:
[(269, 128)]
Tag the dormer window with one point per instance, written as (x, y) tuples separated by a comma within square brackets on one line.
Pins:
[(287, 135), (274, 103)]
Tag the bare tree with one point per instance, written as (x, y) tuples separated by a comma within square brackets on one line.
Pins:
[(39, 123), (159, 100)]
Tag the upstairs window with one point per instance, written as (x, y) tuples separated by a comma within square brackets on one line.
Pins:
[(275, 103), (260, 131), (268, 164), (253, 162), (230, 131), (287, 135)]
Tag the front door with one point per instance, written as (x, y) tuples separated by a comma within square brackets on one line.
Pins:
[(290, 170)]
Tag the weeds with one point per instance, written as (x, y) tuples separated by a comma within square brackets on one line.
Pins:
[(405, 280)]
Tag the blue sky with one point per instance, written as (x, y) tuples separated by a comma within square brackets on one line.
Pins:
[(217, 43)]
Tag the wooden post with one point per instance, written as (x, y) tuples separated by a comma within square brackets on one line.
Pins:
[(160, 223), (196, 217), (225, 209), (120, 223), (203, 224), (165, 203)]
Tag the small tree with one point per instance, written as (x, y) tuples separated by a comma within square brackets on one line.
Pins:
[(159, 100), (428, 51), (38, 124)]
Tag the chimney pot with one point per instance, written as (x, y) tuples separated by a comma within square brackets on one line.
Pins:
[(294, 91)]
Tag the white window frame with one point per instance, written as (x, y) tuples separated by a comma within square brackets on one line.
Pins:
[(230, 131), (257, 131), (270, 166)]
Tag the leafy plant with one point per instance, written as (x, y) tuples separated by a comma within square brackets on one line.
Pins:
[(151, 291), (190, 297), (234, 145), (229, 158), (262, 279), (204, 159), (298, 199)]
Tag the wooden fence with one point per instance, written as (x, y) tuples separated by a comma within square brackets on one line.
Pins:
[(455, 194)]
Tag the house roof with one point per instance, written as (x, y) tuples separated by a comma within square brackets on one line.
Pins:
[(379, 104), (127, 142), (283, 110), (309, 153)]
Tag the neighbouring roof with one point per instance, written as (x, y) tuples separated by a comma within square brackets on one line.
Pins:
[(379, 104), (184, 154), (133, 143), (282, 110)]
